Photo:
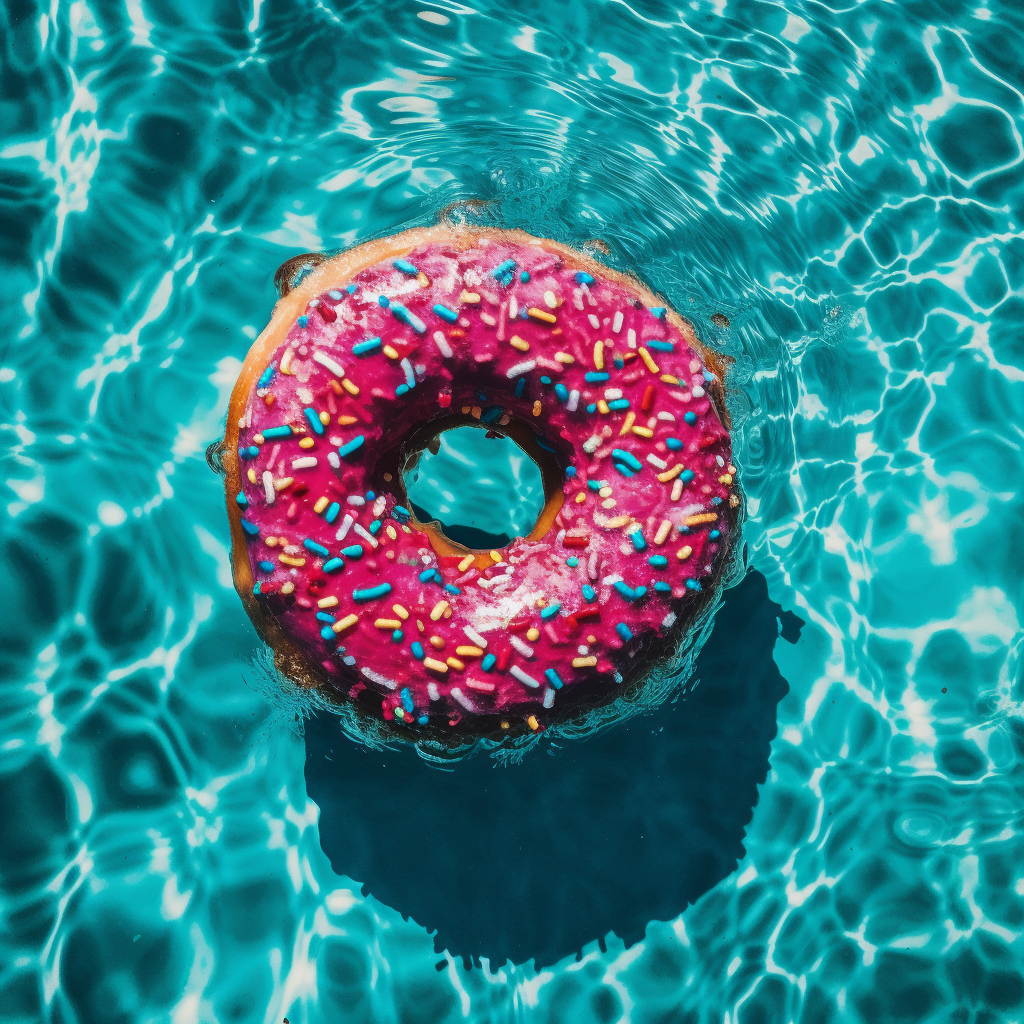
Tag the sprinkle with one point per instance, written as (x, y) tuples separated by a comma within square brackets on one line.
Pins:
[(354, 445), (391, 352), (624, 631), (536, 407), (366, 535), (656, 462), (598, 355), (673, 443), (434, 665), (371, 593), (353, 551), (328, 364), (504, 269), (683, 553), (442, 344), (445, 313), (619, 404), (670, 474), (589, 593), (617, 322), (521, 646), (274, 432), (542, 315), (550, 611), (589, 662), (703, 517), (594, 322), (553, 678), (465, 651), (289, 560), (332, 512), (520, 368), (343, 624), (401, 313), (525, 679), (576, 540), (627, 592), (582, 277), (691, 417), (455, 664), (623, 456), (517, 343), (417, 650), (268, 486), (533, 723), (405, 267), (658, 311), (646, 357), (663, 531), (488, 663), (333, 565), (677, 489), (562, 392), (307, 462), (657, 561), (644, 432), (317, 549), (627, 423), (363, 348), (387, 623), (410, 377), (638, 539), (438, 610)]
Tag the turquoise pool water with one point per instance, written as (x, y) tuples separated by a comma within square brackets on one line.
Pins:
[(840, 184)]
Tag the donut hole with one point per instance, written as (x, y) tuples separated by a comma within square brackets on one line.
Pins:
[(480, 488)]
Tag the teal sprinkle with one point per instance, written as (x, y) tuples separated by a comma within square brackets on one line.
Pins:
[(673, 444), (267, 566), (638, 539), (595, 485), (327, 633), (354, 445), (241, 500), (445, 313), (553, 678), (572, 561), (488, 662), (314, 421), (333, 565), (272, 432), (596, 377), (266, 378), (332, 512), (405, 267), (630, 460), (582, 277), (662, 587), (657, 561), (686, 476), (658, 311), (524, 276), (317, 549), (619, 404), (371, 593), (302, 321), (624, 631), (250, 528), (396, 636), (550, 611), (353, 551), (589, 592), (375, 527), (363, 348), (562, 391), (417, 650), (661, 346)]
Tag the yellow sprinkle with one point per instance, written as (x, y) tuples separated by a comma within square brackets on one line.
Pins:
[(437, 642), (616, 522), (504, 723), (346, 421), (542, 314), (469, 298), (564, 357), (350, 387), (581, 497), (646, 357), (725, 478), (401, 612), (598, 355), (703, 517), (627, 423), (321, 504), (285, 481), (550, 301), (288, 560), (605, 492), (602, 407), (456, 664), (671, 473), (663, 531), (536, 408), (390, 352), (271, 542), (466, 563), (584, 662), (327, 602), (387, 623), (325, 418), (419, 625), (669, 379), (643, 431), (288, 587), (468, 652), (683, 553), (252, 475), (307, 442), (434, 665), (532, 633), (438, 610), (257, 439), (422, 280), (495, 556), (516, 342), (533, 723)]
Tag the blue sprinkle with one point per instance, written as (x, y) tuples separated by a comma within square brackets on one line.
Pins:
[(520, 386), (504, 269), (406, 698), (302, 321), (589, 592), (332, 512), (405, 267), (657, 561), (630, 460), (545, 381), (450, 588), (267, 566), (572, 561), (401, 313), (624, 631), (618, 362), (570, 471), (673, 443), (423, 719), (627, 592), (582, 277), (400, 512), (438, 578), (627, 473), (445, 313), (417, 650), (370, 495), (619, 404), (638, 539), (327, 633), (257, 590), (426, 575), (488, 662), (692, 585), (272, 432), (314, 421), (550, 611), (662, 587), (268, 376), (353, 551), (351, 289), (708, 376), (333, 565), (686, 476), (324, 617), (396, 635), (596, 377), (691, 418), (553, 678), (361, 348), (402, 389), (384, 301), (661, 346), (250, 528), (658, 311), (241, 500), (371, 593), (714, 535), (595, 485), (354, 445), (562, 391), (591, 408), (317, 549), (253, 451), (375, 527), (716, 501), (248, 453), (524, 276)]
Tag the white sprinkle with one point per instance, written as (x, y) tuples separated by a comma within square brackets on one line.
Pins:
[(463, 700), (609, 580), (631, 337), (410, 377), (432, 691), (677, 489), (356, 499), (577, 299), (521, 646), (474, 636), (592, 565), (720, 461), (442, 343), (307, 462), (346, 525), (268, 486), (559, 537), (669, 621), (328, 363), (549, 697), (666, 417), (617, 322), (594, 322), (378, 505), (376, 677), (583, 650), (698, 391), (334, 459), (366, 535), (520, 368), (574, 400), (591, 444), (655, 461), (348, 660), (524, 678), (612, 393), (513, 308)]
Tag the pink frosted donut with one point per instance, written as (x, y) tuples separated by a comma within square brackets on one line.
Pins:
[(367, 359)]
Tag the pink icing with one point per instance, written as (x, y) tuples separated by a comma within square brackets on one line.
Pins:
[(536, 660)]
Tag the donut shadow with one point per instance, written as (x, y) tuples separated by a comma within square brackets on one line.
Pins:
[(535, 860)]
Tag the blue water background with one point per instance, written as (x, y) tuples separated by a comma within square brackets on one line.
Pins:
[(842, 182)]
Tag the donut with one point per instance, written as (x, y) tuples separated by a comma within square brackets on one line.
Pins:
[(367, 358)]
